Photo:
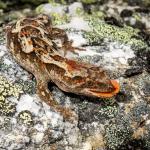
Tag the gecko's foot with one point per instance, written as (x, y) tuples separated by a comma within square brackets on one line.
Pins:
[(67, 47)]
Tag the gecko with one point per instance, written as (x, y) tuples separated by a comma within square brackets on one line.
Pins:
[(31, 42)]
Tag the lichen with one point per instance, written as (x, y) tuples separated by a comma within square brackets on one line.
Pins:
[(116, 135), (5, 123), (101, 30), (4, 67), (138, 111), (27, 86), (8, 89), (6, 108), (121, 130), (25, 117), (147, 139), (58, 19), (109, 111)]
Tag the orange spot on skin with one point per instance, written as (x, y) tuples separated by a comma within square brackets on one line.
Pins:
[(107, 94), (73, 65)]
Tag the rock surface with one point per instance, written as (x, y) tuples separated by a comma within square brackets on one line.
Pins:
[(122, 122)]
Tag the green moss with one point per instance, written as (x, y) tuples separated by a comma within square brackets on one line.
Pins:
[(25, 117), (8, 89), (102, 30)]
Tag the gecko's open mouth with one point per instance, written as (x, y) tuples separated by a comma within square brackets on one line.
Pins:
[(106, 94)]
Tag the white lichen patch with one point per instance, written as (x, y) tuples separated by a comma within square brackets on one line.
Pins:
[(114, 58), (77, 39), (7, 62), (117, 56), (43, 114), (77, 23), (3, 49), (28, 102), (2, 53)]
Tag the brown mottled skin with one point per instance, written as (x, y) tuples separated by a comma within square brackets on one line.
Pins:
[(32, 44)]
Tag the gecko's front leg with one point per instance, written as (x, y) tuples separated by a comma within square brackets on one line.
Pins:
[(45, 94), (67, 45), (42, 79)]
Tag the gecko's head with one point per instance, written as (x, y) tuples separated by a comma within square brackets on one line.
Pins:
[(98, 84), (86, 79)]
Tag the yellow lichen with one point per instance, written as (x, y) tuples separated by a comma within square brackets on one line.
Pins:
[(25, 117), (102, 30), (8, 89)]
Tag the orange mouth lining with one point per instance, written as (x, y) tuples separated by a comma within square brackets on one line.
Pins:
[(107, 94)]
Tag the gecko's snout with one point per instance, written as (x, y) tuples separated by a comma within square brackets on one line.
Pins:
[(96, 93)]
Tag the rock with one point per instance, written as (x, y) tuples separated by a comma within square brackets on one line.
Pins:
[(133, 71), (138, 2), (126, 13), (120, 122)]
